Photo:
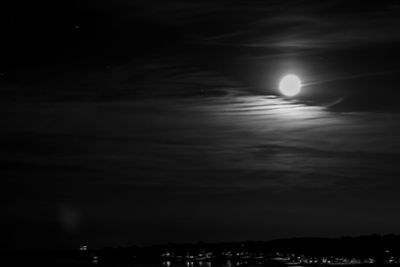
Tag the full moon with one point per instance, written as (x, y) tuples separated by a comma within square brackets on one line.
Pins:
[(290, 85)]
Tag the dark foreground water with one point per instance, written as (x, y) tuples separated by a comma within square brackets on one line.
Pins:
[(69, 262), (59, 262)]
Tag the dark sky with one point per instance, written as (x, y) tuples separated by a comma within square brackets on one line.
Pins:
[(140, 122)]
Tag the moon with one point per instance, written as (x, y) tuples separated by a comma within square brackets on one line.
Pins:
[(290, 85)]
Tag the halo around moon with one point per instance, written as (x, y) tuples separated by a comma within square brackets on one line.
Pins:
[(290, 85)]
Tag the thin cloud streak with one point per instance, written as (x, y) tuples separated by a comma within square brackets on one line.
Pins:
[(351, 77), (304, 25)]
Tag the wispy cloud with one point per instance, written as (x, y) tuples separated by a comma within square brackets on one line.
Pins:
[(219, 159), (304, 25), (217, 143), (139, 78)]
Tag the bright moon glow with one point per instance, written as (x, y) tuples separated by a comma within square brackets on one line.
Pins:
[(290, 85)]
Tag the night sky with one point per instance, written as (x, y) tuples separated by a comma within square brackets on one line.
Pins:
[(130, 122)]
